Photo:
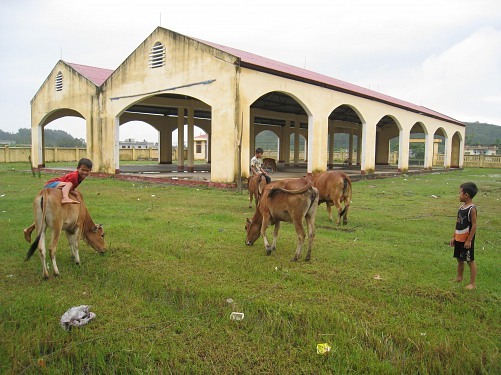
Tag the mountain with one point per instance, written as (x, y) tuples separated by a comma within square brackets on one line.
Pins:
[(482, 134), (53, 138)]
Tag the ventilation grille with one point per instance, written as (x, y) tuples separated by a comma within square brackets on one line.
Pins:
[(59, 81), (157, 56)]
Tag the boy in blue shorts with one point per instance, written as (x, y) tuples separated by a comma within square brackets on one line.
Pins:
[(66, 183), (464, 234)]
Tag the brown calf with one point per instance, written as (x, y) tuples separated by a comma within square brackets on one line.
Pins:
[(255, 185), (334, 188), (74, 219), (270, 163), (291, 200)]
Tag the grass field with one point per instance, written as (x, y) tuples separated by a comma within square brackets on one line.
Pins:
[(378, 290)]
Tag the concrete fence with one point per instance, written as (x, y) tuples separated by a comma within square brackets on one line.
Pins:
[(10, 154)]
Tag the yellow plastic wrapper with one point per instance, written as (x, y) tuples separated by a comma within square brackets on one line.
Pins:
[(323, 348)]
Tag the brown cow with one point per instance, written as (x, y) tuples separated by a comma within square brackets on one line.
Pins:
[(291, 200), (74, 219), (255, 185), (334, 188), (270, 163)]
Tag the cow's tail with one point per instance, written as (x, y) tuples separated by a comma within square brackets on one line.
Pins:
[(33, 247), (274, 190), (313, 197), (346, 195), (43, 206)]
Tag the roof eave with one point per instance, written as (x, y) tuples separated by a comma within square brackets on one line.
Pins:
[(263, 69)]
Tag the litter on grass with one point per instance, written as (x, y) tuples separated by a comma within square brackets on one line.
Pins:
[(236, 316), (323, 348), (76, 316)]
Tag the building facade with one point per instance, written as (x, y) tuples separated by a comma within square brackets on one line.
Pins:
[(172, 80)]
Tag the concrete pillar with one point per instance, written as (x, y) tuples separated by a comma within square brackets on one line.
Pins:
[(191, 136), (252, 134), (403, 150), (331, 148), (447, 152), (296, 142), (180, 139), (287, 142), (317, 143), (368, 148), (429, 151), (350, 148), (359, 146), (165, 146)]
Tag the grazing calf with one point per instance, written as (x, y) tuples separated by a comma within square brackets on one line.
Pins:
[(334, 188), (74, 219), (270, 163), (255, 185), (292, 200)]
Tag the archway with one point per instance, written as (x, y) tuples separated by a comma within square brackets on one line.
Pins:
[(387, 130), (344, 136), (173, 116), (281, 114), (417, 145), (456, 150)]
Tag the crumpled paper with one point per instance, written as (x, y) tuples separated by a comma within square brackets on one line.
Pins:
[(76, 316)]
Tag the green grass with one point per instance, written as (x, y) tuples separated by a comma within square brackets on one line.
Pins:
[(176, 255)]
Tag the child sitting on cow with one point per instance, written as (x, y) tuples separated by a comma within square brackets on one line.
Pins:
[(65, 183), (257, 165)]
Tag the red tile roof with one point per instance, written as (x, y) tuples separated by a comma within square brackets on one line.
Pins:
[(264, 64), (95, 75), (249, 60)]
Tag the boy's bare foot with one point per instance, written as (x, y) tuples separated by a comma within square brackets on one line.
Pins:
[(457, 280), (69, 201), (470, 286), (27, 235)]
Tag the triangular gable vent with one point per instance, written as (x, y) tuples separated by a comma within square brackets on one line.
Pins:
[(59, 81), (157, 55)]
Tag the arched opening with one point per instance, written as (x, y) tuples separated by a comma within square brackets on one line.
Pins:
[(177, 120), (269, 142), (344, 137), (456, 150), (64, 138), (439, 138), (417, 145), (387, 141), (280, 114)]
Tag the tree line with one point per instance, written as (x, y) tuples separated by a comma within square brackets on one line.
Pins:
[(53, 138)]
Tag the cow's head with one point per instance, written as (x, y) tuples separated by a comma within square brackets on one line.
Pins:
[(253, 229), (94, 237)]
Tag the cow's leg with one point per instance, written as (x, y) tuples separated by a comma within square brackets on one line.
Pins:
[(250, 199), (298, 224), (73, 242), (264, 226), (329, 210), (310, 223), (345, 215), (52, 249), (41, 249), (275, 236), (337, 202)]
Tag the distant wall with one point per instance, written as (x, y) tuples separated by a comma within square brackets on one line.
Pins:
[(10, 154), (52, 154)]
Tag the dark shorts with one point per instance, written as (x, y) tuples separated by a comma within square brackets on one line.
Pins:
[(52, 184), (465, 255)]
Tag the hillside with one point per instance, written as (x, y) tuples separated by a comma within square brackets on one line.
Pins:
[(53, 138)]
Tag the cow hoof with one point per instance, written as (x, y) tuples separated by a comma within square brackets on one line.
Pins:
[(56, 275), (294, 259), (268, 252)]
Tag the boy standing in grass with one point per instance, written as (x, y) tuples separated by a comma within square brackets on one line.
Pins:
[(66, 183), (256, 164), (464, 234)]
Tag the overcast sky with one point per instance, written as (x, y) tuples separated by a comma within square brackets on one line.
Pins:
[(441, 54)]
